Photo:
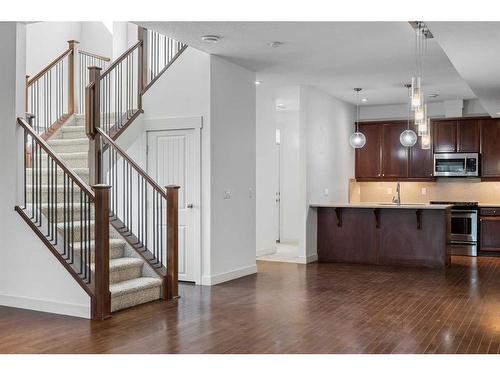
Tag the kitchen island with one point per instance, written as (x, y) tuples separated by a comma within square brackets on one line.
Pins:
[(385, 234)]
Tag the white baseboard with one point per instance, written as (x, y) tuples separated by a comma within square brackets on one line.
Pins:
[(261, 253), (308, 259), (227, 276), (54, 307)]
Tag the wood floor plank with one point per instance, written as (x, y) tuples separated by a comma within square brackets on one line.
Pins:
[(289, 308)]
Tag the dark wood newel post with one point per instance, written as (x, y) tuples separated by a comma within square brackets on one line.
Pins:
[(143, 63), (92, 122), (102, 308), (72, 72), (171, 281)]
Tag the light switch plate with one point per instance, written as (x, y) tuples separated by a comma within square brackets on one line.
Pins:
[(325, 192), (227, 194), (424, 191)]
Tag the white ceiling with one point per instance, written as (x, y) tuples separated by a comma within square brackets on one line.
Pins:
[(333, 56), (473, 49)]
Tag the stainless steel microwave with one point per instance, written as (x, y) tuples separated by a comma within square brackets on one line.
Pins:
[(456, 165)]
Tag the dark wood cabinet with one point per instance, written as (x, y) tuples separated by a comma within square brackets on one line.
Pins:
[(490, 148), (445, 135), (368, 158), (394, 155), (420, 162), (489, 224), (456, 135), (384, 158), (468, 136)]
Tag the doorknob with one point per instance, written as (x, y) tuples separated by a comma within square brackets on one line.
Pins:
[(190, 205)]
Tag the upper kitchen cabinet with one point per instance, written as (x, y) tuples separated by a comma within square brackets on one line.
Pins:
[(490, 148), (394, 154), (420, 162), (456, 135), (368, 158), (445, 135), (468, 136)]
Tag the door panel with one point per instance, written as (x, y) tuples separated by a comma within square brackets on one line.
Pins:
[(368, 164), (490, 234), (490, 150), (171, 161), (394, 154), (468, 136), (421, 162), (445, 136)]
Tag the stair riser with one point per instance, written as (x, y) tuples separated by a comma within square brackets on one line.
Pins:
[(43, 176), (58, 148), (59, 197), (76, 163), (74, 231), (115, 252), (70, 134), (115, 276), (135, 298), (59, 213)]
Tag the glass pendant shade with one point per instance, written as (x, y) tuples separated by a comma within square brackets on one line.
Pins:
[(426, 141), (408, 138), (415, 93), (357, 140), (419, 114), (423, 127)]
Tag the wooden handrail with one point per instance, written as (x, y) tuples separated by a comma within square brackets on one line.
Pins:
[(90, 54), (82, 185), (164, 69), (48, 67), (134, 165), (120, 59)]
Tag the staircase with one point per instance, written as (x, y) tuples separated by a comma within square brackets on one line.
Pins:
[(108, 223), (130, 283)]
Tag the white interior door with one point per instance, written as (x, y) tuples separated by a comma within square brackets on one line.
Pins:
[(171, 161)]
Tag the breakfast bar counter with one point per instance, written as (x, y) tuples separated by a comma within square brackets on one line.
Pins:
[(385, 234)]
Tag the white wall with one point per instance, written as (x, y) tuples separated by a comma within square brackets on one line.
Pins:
[(315, 144), (124, 36), (30, 276), (232, 112), (47, 40)]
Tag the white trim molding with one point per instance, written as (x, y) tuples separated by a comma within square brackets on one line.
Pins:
[(311, 258), (54, 307), (227, 276), (170, 123)]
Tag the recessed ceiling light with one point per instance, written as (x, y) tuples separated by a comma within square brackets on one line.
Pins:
[(257, 83), (364, 100), (434, 95), (275, 44), (211, 38), (280, 106)]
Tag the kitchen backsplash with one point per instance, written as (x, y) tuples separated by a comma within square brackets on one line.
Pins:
[(423, 192)]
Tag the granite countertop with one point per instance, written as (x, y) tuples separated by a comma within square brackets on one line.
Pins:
[(407, 206)]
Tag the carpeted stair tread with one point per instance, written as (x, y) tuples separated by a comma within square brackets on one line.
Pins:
[(134, 285)]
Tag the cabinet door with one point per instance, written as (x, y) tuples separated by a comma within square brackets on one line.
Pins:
[(368, 157), (467, 136), (421, 162), (394, 155), (445, 136), (490, 148), (490, 233)]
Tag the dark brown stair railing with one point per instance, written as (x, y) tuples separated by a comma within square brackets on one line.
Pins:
[(86, 60), (139, 208), (69, 218), (50, 94)]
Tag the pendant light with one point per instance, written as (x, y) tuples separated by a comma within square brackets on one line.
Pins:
[(408, 137), (357, 139)]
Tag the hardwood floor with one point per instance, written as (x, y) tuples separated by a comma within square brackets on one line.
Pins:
[(290, 308)]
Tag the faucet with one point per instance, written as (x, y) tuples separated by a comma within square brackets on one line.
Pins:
[(397, 199)]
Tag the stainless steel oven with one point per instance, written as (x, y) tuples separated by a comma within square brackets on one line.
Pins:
[(463, 232), (463, 227), (456, 165)]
